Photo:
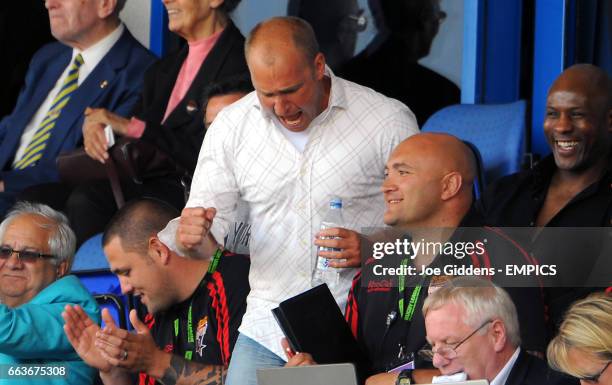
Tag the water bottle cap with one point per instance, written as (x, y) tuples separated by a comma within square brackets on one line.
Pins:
[(335, 203)]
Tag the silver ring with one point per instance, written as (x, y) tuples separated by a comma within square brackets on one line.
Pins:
[(124, 356)]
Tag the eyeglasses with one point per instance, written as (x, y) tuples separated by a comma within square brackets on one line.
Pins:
[(595, 379), (450, 352), (25, 256)]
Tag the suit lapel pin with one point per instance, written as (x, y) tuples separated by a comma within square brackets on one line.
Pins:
[(103, 84), (191, 107)]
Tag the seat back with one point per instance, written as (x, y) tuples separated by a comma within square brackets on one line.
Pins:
[(116, 306), (497, 130), (479, 179), (92, 268)]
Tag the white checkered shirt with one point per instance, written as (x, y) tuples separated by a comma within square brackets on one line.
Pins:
[(245, 155)]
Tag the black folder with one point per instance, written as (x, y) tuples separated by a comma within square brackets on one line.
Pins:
[(313, 323)]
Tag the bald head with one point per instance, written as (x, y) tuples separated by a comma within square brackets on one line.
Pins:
[(441, 154), (282, 35), (429, 181), (288, 71), (587, 79)]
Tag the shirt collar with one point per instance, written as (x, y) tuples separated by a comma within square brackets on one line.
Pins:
[(94, 54), (503, 374), (337, 93), (544, 170)]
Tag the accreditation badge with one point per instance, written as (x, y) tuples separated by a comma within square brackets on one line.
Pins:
[(200, 333)]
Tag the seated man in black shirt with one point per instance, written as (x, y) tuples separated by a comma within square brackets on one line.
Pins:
[(570, 188), (195, 306), (428, 194)]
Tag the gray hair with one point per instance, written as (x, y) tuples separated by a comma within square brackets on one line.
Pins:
[(62, 241), (482, 301)]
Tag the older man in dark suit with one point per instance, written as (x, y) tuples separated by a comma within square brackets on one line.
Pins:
[(97, 63), (473, 329)]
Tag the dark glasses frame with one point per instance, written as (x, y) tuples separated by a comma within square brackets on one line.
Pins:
[(23, 255), (450, 352)]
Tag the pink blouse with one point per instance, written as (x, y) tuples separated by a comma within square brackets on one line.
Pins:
[(198, 51)]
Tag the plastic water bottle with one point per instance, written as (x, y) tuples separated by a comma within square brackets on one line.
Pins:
[(333, 218)]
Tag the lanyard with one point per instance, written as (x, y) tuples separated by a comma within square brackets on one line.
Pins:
[(190, 340), (407, 312), (190, 335)]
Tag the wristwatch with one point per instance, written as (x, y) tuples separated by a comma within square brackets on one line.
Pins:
[(404, 377)]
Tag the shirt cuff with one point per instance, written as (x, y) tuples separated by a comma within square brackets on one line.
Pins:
[(135, 128)]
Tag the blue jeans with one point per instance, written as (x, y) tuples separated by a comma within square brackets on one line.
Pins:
[(247, 357)]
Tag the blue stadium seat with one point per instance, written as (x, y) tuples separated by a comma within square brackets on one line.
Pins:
[(92, 268), (116, 305), (497, 130), (479, 179), (90, 256)]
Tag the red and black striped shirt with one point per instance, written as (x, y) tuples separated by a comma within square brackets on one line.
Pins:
[(218, 305)]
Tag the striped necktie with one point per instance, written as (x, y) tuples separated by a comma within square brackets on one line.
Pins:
[(39, 141)]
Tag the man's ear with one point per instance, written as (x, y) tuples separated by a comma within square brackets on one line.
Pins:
[(451, 185), (319, 66), (159, 251), (62, 269), (498, 333), (215, 3), (106, 8)]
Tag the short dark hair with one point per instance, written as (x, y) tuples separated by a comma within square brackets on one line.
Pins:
[(234, 84), (138, 220), (228, 6)]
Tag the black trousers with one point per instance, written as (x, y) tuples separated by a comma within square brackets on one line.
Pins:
[(90, 206)]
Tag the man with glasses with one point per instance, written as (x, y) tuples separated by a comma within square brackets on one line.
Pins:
[(36, 252), (473, 329)]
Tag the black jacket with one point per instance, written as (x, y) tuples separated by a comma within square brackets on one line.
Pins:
[(530, 370), (181, 135)]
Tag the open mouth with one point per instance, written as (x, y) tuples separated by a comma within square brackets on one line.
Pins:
[(291, 120), (393, 201), (566, 145)]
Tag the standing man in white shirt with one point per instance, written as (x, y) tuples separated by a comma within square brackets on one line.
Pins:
[(96, 63), (303, 137)]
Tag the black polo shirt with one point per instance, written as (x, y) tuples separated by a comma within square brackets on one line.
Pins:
[(217, 306), (516, 200), (373, 304)]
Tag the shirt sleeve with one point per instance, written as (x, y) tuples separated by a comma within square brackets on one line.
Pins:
[(135, 128), (214, 183), (228, 294), (32, 331), (397, 127)]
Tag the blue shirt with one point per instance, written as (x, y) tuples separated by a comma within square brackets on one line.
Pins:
[(33, 334)]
